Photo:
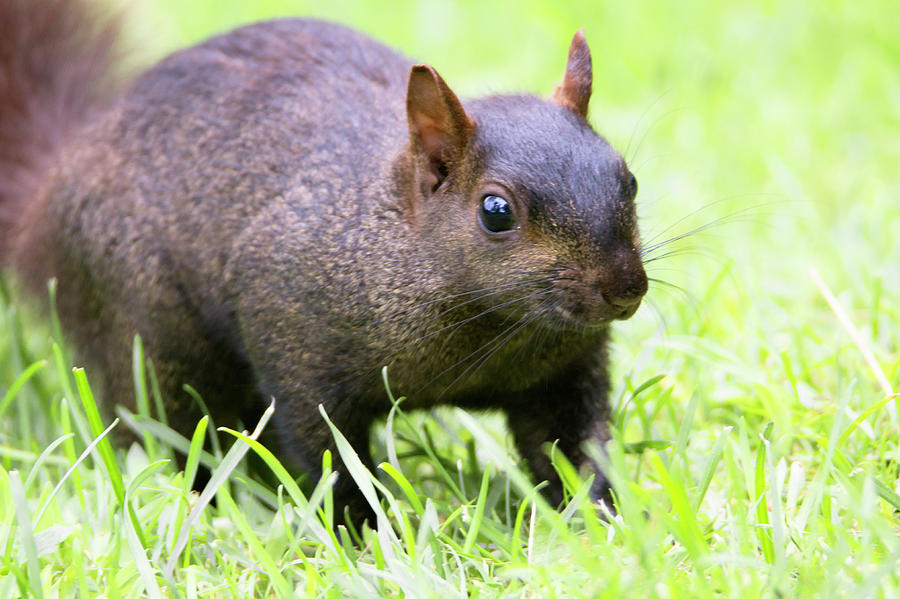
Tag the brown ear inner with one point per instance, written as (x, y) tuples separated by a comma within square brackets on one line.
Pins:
[(438, 125), (574, 92)]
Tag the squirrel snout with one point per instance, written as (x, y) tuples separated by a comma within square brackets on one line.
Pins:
[(601, 294), (626, 290)]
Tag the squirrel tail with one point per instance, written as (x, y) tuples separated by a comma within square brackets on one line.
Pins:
[(55, 59)]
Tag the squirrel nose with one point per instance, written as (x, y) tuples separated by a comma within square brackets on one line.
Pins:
[(625, 295)]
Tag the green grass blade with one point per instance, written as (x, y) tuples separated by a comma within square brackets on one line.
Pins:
[(55, 324), (26, 535), (213, 437), (405, 486), (69, 447), (217, 478), (134, 536), (39, 462), (478, 517), (684, 433), (193, 456), (19, 383), (709, 470), (139, 376), (157, 393), (307, 506), (361, 476), (684, 525), (764, 530), (106, 452), (74, 468), (863, 417)]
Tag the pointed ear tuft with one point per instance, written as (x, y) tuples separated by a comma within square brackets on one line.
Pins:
[(438, 125), (575, 90)]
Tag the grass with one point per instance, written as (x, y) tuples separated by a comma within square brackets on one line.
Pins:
[(756, 450)]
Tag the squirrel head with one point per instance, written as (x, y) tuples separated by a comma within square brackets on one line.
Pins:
[(518, 194)]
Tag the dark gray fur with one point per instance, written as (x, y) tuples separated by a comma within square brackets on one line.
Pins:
[(258, 210)]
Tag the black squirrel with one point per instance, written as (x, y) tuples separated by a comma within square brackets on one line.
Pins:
[(284, 209)]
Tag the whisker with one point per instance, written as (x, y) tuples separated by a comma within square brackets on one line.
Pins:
[(449, 337), (649, 249), (675, 252), (486, 295), (488, 291), (685, 217), (666, 283), (468, 356), (494, 308), (534, 339), (667, 286), (658, 314), (647, 131), (499, 341), (453, 327)]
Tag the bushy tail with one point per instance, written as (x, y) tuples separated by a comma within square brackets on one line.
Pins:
[(55, 59)]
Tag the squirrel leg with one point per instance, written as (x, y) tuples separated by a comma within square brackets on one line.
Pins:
[(571, 412)]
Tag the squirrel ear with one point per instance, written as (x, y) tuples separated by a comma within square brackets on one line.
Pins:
[(575, 90), (438, 125)]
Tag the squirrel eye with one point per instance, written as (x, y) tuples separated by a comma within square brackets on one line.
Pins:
[(496, 214), (632, 184)]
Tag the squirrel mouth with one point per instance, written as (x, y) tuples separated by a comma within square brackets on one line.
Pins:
[(601, 316), (596, 296)]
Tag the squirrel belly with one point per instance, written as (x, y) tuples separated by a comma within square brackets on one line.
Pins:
[(283, 210)]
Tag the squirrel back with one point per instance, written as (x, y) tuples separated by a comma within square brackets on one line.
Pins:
[(284, 209)]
